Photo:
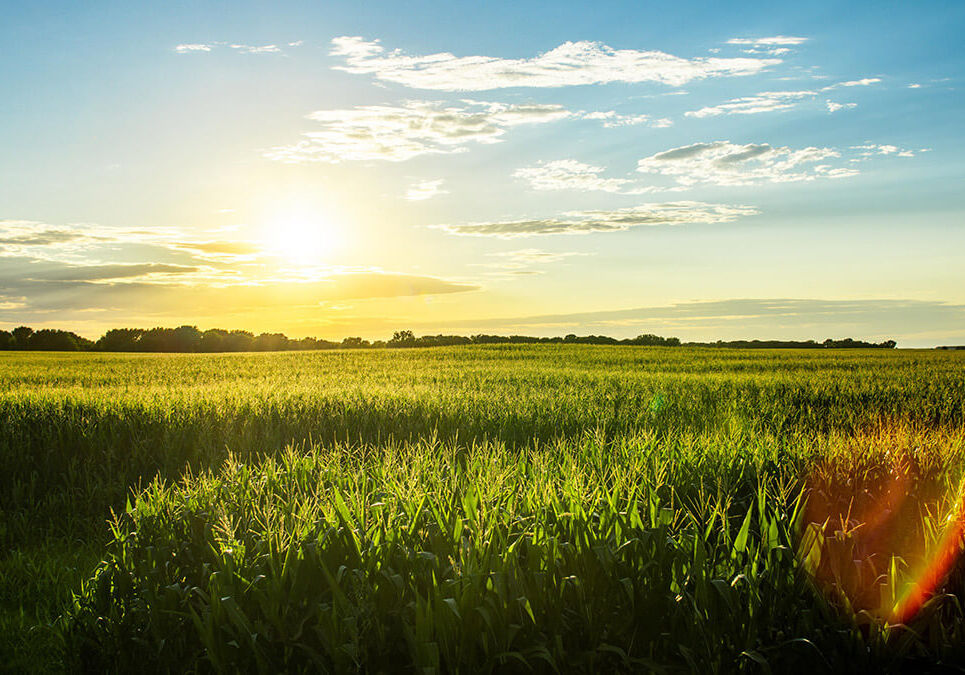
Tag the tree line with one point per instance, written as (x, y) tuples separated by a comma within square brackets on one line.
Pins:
[(191, 339)]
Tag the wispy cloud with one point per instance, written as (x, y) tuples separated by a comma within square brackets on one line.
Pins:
[(571, 63), (398, 133), (766, 101), (772, 101), (525, 262), (425, 189), (193, 47), (201, 47), (257, 49), (726, 163), (871, 149), (586, 222), (835, 107), (776, 40), (778, 45), (611, 119), (863, 82), (570, 174)]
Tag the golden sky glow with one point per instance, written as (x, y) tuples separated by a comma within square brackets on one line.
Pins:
[(335, 174)]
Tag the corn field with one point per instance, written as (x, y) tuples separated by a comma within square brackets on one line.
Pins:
[(530, 509)]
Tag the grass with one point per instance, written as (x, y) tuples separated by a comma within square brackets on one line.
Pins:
[(548, 508)]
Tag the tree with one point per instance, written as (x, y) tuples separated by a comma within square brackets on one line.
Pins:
[(119, 340), (270, 342), (239, 341), (354, 343), (21, 337), (402, 338), (213, 340)]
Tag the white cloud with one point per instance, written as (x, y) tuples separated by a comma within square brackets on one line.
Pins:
[(426, 189), (571, 63), (726, 163), (586, 222), (771, 101), (399, 133), (570, 174), (768, 41), (871, 149), (766, 101), (914, 85), (257, 49), (835, 107), (193, 47), (239, 48), (612, 119), (864, 82)]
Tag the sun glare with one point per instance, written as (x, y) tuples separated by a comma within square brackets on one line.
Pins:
[(302, 238)]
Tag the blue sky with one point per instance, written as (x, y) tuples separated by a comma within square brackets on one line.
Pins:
[(709, 171)]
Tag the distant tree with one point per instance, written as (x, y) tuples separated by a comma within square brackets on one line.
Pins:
[(186, 339), (213, 340), (270, 342), (119, 340), (239, 341), (6, 339), (21, 337), (354, 343), (402, 338), (49, 339)]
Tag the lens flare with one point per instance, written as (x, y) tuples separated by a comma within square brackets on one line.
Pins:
[(869, 538)]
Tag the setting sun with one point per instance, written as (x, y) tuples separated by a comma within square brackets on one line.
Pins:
[(301, 237)]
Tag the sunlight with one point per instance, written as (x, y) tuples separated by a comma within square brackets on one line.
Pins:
[(301, 237)]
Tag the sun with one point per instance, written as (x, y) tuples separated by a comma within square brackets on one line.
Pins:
[(301, 238)]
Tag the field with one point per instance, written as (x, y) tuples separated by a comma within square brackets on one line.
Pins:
[(483, 509)]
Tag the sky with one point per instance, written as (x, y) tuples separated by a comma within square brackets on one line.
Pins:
[(699, 169)]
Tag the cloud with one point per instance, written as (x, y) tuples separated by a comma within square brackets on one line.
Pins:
[(523, 261), (769, 41), (218, 249), (126, 272), (107, 272), (199, 47), (612, 119), (871, 149), (426, 189), (193, 47), (914, 85), (399, 133), (257, 49), (585, 222), (188, 301), (571, 63), (726, 163), (767, 101), (835, 107), (864, 82), (771, 101), (570, 174)]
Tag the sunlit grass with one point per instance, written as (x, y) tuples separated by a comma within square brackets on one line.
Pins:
[(487, 508)]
